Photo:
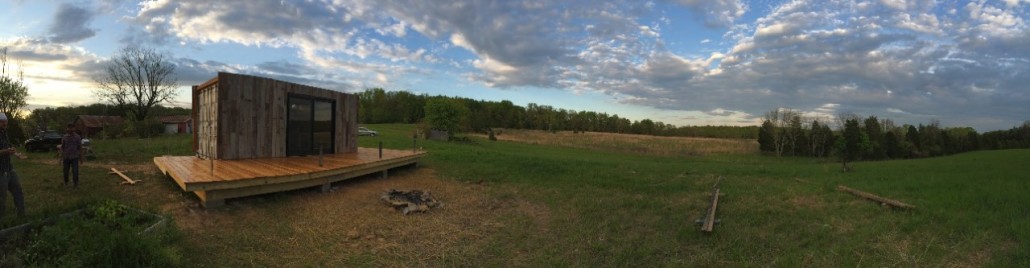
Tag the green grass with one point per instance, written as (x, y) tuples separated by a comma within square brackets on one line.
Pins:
[(617, 210), (602, 208)]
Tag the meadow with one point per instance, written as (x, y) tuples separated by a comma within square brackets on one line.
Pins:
[(515, 203), (629, 143)]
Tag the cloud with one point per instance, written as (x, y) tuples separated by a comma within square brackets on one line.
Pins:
[(961, 61), (865, 59), (70, 25), (716, 13)]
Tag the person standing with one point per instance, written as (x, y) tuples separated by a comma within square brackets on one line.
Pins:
[(8, 178), (71, 146)]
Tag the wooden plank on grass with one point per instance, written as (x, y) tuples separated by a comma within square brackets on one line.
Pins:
[(127, 179), (709, 221), (873, 197)]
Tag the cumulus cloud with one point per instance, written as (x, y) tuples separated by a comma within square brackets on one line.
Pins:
[(867, 58), (961, 61), (70, 24), (717, 13)]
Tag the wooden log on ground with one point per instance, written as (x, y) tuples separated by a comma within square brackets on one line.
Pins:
[(882, 200), (126, 178), (709, 221)]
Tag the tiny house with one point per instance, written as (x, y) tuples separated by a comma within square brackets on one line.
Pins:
[(239, 116)]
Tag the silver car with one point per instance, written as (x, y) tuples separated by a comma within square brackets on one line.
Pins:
[(363, 131)]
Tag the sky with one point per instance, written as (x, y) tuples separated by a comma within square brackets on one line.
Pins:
[(682, 62)]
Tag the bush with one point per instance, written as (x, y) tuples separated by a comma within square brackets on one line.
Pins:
[(147, 128), (104, 235), (492, 137)]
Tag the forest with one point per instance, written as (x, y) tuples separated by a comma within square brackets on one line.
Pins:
[(786, 132), (381, 106)]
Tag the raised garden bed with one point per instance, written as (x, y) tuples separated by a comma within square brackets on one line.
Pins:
[(149, 222), (103, 234)]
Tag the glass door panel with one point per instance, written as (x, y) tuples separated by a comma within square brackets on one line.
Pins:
[(298, 126)]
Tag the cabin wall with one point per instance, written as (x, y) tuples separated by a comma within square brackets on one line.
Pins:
[(206, 121), (254, 113)]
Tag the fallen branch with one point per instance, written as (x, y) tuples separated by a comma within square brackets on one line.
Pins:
[(881, 200), (127, 179)]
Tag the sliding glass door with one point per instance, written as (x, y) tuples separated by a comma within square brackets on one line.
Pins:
[(310, 125)]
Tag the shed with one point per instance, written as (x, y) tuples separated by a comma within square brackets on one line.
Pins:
[(239, 116), (90, 125), (177, 124)]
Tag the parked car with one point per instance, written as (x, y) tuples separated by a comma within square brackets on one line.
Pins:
[(44, 141), (363, 131)]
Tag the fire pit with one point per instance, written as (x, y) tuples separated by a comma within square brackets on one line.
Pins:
[(410, 201)]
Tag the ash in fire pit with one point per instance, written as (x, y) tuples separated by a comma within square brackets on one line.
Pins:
[(410, 201)]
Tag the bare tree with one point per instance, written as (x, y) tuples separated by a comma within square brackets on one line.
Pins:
[(137, 79)]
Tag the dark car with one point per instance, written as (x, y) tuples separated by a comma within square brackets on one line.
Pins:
[(44, 141)]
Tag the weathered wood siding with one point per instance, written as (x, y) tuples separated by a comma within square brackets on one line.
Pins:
[(205, 107), (252, 116)]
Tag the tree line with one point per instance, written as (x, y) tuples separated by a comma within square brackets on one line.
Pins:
[(381, 106), (55, 118), (787, 132)]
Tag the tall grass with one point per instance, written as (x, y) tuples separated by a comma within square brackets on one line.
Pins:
[(631, 143)]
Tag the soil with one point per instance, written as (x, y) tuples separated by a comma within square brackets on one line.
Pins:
[(350, 222)]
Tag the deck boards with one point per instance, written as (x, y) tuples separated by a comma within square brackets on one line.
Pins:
[(194, 174)]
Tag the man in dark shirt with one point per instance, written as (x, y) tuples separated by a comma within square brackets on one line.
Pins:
[(8, 178), (71, 145)]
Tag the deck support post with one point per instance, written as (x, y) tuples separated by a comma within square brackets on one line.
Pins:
[(213, 203), (383, 174), (327, 187)]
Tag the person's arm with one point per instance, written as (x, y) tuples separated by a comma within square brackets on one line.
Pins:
[(82, 154)]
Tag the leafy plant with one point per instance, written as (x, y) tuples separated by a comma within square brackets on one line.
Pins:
[(106, 234)]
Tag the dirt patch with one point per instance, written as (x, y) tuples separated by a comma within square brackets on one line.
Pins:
[(351, 224), (806, 201)]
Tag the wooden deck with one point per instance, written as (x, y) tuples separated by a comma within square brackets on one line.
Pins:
[(216, 180)]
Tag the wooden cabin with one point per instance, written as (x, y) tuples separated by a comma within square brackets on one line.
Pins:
[(239, 116)]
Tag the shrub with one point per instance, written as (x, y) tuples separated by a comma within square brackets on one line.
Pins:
[(104, 235), (492, 137)]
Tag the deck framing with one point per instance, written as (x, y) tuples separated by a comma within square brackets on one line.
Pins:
[(240, 178)]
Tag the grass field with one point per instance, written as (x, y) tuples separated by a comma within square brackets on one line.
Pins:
[(630, 143), (520, 204)]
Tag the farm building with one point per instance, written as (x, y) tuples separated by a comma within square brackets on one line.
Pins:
[(90, 125), (177, 124), (242, 116), (255, 135)]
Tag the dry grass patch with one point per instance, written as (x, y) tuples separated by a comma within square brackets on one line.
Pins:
[(350, 225), (631, 143)]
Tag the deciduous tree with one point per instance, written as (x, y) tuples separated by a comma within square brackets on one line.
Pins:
[(138, 79), (13, 96)]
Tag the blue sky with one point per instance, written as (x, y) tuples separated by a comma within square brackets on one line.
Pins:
[(684, 62)]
